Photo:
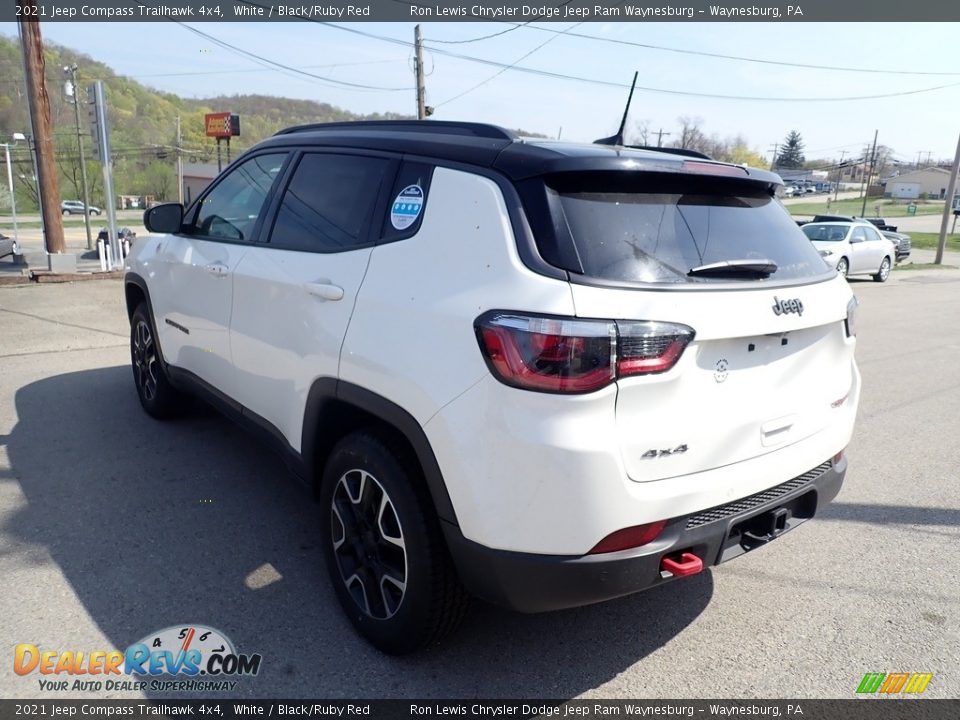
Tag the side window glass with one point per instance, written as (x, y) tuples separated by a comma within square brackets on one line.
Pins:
[(858, 235), (328, 203), (230, 211), (408, 200)]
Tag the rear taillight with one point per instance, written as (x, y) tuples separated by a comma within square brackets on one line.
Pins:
[(568, 355), (645, 348), (851, 321)]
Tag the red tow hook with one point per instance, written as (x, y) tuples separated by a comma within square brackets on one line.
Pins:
[(689, 564)]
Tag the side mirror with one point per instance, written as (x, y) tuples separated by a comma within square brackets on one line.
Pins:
[(164, 218)]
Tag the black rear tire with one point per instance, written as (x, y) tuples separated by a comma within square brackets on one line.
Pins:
[(380, 531), (157, 396)]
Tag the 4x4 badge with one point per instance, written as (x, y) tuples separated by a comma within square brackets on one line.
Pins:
[(784, 307), (650, 454)]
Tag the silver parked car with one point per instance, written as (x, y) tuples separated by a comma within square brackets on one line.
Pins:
[(71, 207), (853, 248)]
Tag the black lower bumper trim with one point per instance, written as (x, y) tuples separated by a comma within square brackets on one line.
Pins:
[(537, 583)]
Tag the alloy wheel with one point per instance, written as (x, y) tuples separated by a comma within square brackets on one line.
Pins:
[(145, 360), (368, 544)]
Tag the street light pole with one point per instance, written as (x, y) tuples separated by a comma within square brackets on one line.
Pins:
[(71, 70)]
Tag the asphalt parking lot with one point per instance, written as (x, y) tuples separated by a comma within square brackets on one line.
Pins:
[(113, 526)]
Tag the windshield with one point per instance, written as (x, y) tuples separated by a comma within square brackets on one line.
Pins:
[(825, 233), (660, 237)]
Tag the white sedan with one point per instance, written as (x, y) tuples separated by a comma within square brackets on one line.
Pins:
[(853, 248)]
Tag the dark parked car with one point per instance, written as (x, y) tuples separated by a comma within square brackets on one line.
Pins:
[(123, 233), (880, 223), (6, 245), (833, 218), (902, 242)]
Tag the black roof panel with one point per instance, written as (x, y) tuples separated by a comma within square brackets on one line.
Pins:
[(490, 146)]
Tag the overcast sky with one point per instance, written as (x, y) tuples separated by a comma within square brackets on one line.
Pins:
[(926, 121)]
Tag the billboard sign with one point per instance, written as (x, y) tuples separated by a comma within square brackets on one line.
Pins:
[(222, 124)]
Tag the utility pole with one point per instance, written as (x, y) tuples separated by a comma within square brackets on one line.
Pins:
[(773, 163), (948, 205), (660, 134), (179, 164), (836, 189), (421, 88), (74, 92), (866, 180), (39, 101)]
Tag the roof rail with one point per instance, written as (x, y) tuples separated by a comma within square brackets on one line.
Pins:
[(439, 127), (673, 151)]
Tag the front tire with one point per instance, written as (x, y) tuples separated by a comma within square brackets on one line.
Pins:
[(157, 396), (884, 272), (843, 267), (384, 548)]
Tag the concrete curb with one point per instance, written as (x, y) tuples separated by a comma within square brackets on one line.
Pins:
[(47, 276), (15, 280)]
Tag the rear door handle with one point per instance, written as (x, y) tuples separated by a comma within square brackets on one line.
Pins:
[(324, 289), (216, 269)]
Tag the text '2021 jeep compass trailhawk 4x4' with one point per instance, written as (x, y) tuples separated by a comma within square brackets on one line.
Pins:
[(548, 373)]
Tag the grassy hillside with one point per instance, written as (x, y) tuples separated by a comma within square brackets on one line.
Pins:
[(143, 126)]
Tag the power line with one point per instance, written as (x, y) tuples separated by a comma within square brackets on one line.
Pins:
[(262, 69), (482, 37), (261, 59), (501, 71), (738, 58), (609, 83)]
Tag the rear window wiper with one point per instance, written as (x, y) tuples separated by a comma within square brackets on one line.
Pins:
[(759, 267)]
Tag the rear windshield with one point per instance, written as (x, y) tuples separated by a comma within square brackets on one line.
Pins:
[(651, 237)]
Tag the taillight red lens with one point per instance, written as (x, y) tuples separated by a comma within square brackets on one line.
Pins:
[(631, 537), (552, 354), (650, 347), (568, 355)]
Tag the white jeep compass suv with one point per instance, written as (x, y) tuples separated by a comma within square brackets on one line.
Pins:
[(545, 373)]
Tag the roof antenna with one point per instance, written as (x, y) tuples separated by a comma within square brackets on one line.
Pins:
[(618, 138)]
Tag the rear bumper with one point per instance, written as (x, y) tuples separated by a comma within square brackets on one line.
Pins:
[(538, 583)]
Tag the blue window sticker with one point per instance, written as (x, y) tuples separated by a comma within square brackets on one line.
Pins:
[(406, 207)]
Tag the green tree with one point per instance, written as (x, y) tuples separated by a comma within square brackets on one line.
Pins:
[(791, 154), (158, 179)]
